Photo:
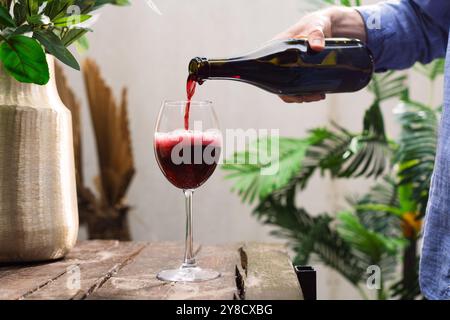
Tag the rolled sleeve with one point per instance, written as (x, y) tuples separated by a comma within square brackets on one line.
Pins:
[(374, 37), (400, 33)]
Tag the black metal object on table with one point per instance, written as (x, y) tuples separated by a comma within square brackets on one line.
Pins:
[(308, 281)]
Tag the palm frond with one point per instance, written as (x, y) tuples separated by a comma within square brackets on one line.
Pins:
[(417, 147), (377, 210), (374, 231), (407, 289), (344, 154), (371, 247), (431, 70), (257, 176), (388, 85), (311, 237), (337, 151)]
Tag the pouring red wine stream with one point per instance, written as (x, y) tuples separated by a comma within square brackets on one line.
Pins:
[(191, 84)]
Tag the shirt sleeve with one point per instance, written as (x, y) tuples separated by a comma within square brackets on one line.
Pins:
[(400, 33)]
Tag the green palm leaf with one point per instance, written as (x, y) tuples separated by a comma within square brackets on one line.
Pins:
[(338, 151), (345, 3), (344, 154), (256, 176), (387, 85), (311, 237), (407, 290), (431, 70), (372, 247), (378, 210), (417, 147)]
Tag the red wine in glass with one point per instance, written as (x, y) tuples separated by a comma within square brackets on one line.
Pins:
[(187, 159)]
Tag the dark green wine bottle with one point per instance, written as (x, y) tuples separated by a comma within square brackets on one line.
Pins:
[(291, 67)]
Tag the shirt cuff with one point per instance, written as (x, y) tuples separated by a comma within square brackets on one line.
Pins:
[(375, 34)]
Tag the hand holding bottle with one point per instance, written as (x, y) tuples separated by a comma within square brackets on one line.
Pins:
[(291, 68), (316, 26)]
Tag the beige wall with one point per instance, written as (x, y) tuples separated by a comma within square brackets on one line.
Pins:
[(149, 54)]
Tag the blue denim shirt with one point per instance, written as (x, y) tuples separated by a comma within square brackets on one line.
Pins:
[(410, 31)]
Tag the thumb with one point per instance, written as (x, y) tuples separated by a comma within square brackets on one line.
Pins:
[(316, 39)]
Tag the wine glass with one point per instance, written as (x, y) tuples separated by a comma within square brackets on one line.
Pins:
[(187, 147)]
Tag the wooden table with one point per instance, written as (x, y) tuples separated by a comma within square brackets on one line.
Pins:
[(127, 270)]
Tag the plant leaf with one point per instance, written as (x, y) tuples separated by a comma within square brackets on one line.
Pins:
[(5, 18), (71, 20), (54, 46), (38, 20), (57, 8), (24, 59), (32, 6), (387, 85), (345, 3), (431, 70), (255, 176), (366, 242), (344, 154), (417, 148), (26, 28), (20, 12), (82, 45), (72, 35), (6, 3), (311, 237), (84, 5), (378, 209), (99, 3)]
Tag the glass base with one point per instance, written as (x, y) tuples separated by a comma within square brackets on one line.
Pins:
[(190, 274)]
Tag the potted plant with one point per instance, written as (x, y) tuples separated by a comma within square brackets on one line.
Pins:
[(378, 232), (381, 228), (38, 201)]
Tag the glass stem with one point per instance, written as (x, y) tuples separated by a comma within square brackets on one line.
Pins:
[(189, 259)]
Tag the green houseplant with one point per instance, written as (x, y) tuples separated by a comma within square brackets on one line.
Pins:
[(38, 202), (379, 228), (31, 28)]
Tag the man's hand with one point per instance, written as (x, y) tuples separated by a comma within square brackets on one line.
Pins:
[(316, 26)]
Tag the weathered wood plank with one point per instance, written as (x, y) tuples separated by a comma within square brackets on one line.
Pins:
[(89, 271), (267, 273), (137, 280), (17, 282), (127, 270)]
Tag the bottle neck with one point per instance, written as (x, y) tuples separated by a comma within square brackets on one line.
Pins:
[(204, 69), (199, 69)]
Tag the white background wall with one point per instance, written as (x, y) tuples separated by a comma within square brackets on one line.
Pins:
[(149, 54)]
